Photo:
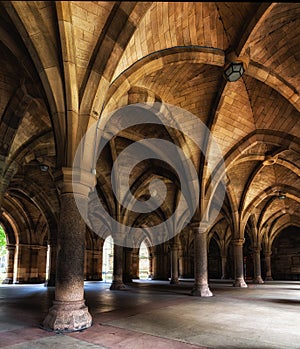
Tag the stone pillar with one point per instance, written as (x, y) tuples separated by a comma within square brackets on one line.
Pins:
[(24, 263), (224, 265), (97, 265), (135, 264), (41, 264), (174, 265), (127, 275), (69, 312), (159, 266), (180, 264), (155, 263), (238, 263), (150, 265), (117, 282), (88, 265), (187, 266), (268, 266), (257, 267), (200, 287), (34, 264), (10, 260)]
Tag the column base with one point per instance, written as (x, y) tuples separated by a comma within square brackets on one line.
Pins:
[(201, 291), (174, 281), (50, 283), (7, 281), (117, 285), (67, 317), (268, 278), (240, 283), (258, 280), (127, 278)]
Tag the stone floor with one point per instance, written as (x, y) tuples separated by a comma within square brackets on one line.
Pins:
[(154, 314)]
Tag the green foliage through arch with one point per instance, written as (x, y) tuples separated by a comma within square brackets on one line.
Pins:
[(2, 242)]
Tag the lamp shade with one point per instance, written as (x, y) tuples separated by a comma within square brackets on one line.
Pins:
[(44, 168), (234, 71), (281, 196)]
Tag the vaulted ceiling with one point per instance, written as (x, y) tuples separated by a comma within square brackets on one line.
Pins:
[(66, 65)]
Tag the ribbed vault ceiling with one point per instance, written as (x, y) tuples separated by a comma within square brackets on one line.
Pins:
[(62, 64)]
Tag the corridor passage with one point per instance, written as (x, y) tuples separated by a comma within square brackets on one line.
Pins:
[(154, 314)]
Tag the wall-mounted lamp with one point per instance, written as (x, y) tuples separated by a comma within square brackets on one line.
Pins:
[(44, 168), (281, 196)]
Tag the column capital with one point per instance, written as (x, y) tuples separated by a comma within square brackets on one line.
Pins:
[(10, 247), (199, 227), (37, 247), (97, 253), (173, 244), (238, 242), (75, 181)]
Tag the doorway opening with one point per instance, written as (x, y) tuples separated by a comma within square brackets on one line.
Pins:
[(144, 262), (108, 259)]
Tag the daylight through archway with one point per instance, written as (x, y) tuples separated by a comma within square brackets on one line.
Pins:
[(108, 257), (144, 265), (3, 254)]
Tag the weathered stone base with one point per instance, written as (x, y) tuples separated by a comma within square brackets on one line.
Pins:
[(258, 280), (67, 317), (174, 281), (240, 283), (201, 291), (117, 285)]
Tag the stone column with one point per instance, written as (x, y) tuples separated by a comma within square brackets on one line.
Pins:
[(135, 264), (156, 265), (174, 265), (150, 265), (10, 260), (42, 263), (224, 264), (97, 265), (200, 287), (117, 282), (180, 264), (24, 263), (257, 267), (88, 265), (127, 275), (268, 266), (34, 264), (186, 261), (238, 263), (159, 266), (69, 312)]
